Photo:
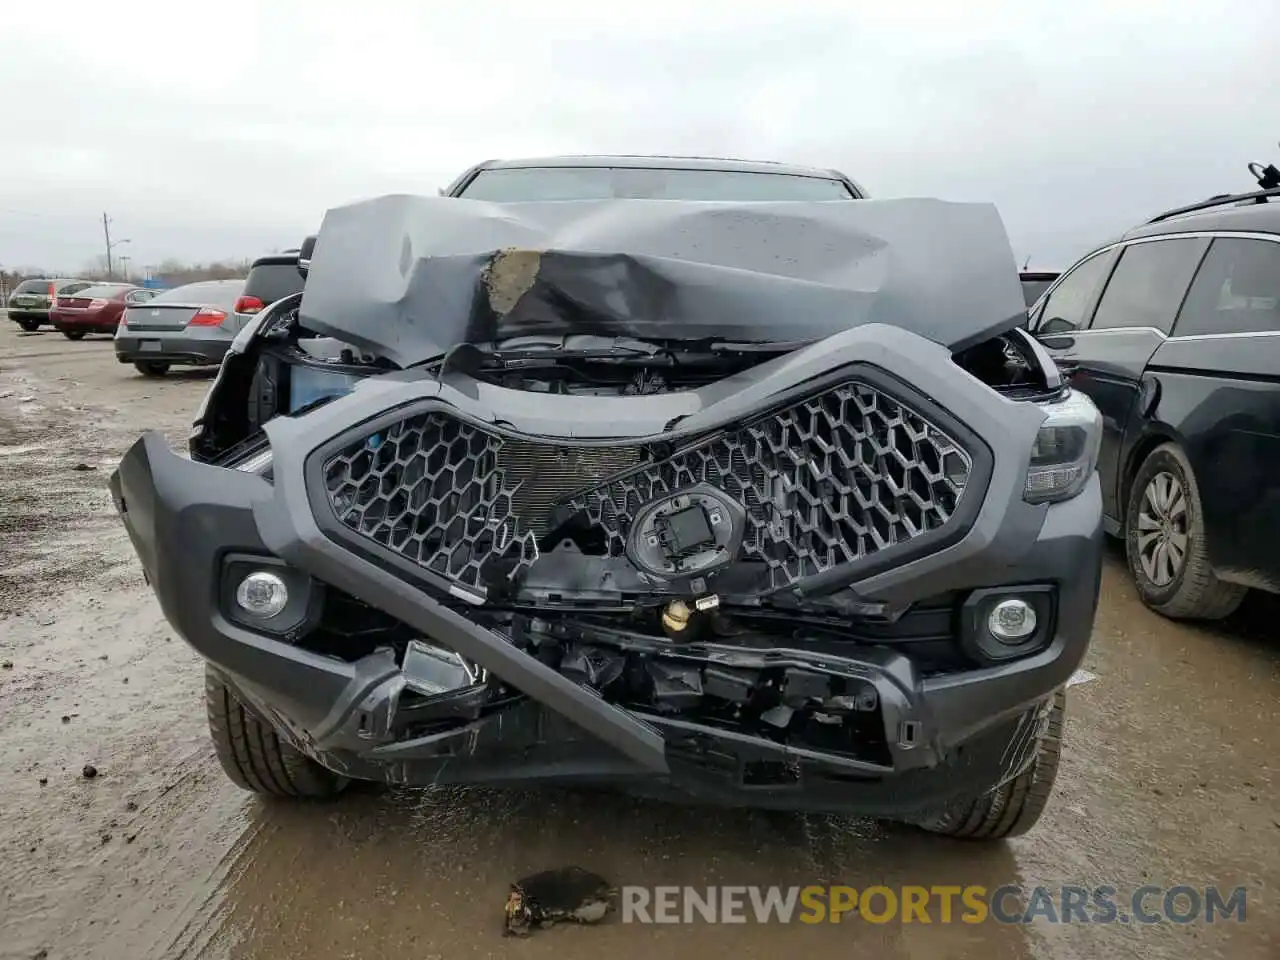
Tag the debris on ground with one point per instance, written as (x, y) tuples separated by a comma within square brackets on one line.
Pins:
[(89, 771), (8, 665), (567, 895), (44, 781), (81, 467)]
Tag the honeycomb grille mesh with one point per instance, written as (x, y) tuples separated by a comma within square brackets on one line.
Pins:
[(828, 480)]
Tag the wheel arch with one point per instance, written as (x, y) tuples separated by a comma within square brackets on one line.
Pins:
[(1154, 434)]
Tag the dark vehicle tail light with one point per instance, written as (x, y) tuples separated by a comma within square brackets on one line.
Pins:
[(53, 293), (247, 304), (208, 317)]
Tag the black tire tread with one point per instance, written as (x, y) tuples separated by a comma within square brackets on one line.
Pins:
[(254, 757), (1200, 594), (1014, 807)]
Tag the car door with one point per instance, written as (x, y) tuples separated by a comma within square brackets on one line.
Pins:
[(1219, 378), (1105, 355)]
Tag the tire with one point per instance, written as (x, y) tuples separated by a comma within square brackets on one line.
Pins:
[(1012, 808), (151, 368), (1184, 588), (31, 326), (254, 758), (73, 334)]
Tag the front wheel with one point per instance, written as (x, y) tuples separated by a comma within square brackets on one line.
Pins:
[(1166, 545), (254, 758), (151, 368), (1012, 808), (73, 334)]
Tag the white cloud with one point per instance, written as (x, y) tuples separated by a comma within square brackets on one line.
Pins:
[(227, 130)]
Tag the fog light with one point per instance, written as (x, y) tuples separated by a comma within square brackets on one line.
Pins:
[(262, 595), (1012, 621)]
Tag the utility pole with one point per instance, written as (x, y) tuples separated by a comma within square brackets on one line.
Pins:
[(106, 235), (111, 244)]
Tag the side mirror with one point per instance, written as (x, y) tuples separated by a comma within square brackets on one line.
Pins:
[(305, 253), (1055, 325)]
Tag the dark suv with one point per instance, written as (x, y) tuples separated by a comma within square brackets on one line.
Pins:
[(1174, 332), (270, 278)]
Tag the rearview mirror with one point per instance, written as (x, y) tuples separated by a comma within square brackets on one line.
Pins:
[(304, 254)]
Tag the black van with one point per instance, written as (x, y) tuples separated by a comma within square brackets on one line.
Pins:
[(1174, 332)]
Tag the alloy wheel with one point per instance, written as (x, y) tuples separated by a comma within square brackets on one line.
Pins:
[(1162, 529)]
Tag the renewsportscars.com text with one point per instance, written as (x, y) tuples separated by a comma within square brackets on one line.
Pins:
[(1011, 903)]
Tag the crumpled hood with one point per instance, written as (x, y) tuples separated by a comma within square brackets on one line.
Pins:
[(409, 277)]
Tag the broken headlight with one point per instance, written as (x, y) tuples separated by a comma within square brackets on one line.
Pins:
[(1065, 451)]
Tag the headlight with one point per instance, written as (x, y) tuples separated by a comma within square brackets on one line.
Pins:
[(1066, 450)]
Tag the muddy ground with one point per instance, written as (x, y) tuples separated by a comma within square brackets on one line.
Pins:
[(1170, 773)]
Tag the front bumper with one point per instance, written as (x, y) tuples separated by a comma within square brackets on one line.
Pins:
[(182, 348), (946, 735)]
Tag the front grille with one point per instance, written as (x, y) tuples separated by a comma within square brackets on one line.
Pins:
[(831, 479)]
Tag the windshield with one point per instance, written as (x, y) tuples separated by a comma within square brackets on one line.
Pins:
[(1031, 289), (216, 293), (523, 184), (32, 286)]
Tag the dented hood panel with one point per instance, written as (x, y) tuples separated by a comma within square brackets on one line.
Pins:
[(410, 277)]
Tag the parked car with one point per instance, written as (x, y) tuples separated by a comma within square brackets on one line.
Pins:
[(1174, 332), (191, 325), (94, 309), (270, 278), (1035, 283), (31, 299), (693, 498)]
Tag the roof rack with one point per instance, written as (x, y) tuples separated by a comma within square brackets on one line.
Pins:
[(1222, 200), (1268, 178)]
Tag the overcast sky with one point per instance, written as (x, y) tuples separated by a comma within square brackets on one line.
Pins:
[(225, 129)]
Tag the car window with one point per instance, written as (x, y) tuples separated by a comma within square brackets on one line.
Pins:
[(32, 286), (1148, 284), (216, 293), (73, 286), (105, 291), (518, 184), (139, 296), (1065, 308), (1236, 291), (270, 282)]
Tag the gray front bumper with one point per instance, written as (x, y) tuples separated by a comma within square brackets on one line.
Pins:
[(184, 517)]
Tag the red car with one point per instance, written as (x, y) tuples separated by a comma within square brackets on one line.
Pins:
[(96, 309)]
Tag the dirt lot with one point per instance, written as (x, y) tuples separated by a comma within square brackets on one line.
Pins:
[(1170, 773)]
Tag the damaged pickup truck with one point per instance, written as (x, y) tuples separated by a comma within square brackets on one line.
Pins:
[(763, 504)]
